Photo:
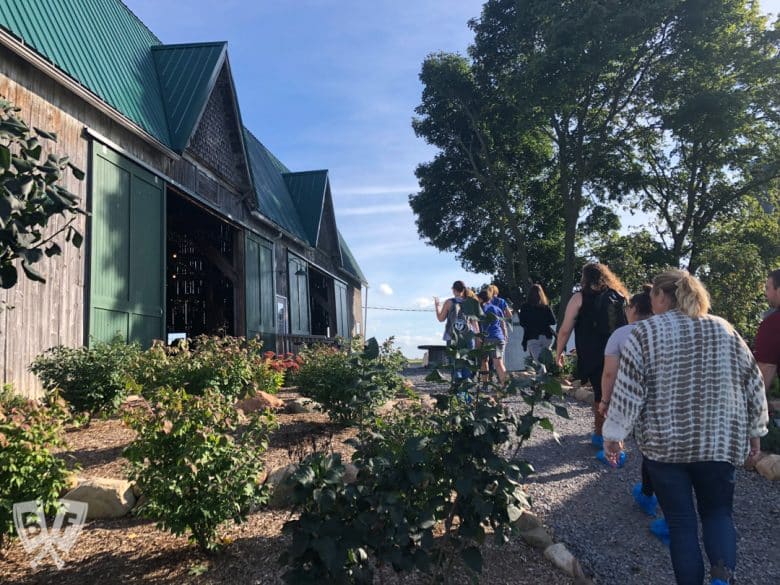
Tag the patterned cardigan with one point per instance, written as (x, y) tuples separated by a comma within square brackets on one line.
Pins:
[(690, 389)]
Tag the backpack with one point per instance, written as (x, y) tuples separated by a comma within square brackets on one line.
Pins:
[(457, 324), (609, 312)]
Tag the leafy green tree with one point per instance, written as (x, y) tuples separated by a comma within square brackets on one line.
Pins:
[(484, 195), (572, 70), (708, 136), (735, 261), (30, 196), (636, 258)]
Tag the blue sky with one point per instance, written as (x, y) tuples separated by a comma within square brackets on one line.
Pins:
[(333, 84)]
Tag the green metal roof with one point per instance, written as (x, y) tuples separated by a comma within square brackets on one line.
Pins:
[(273, 199), (348, 260), (100, 44), (164, 89), (307, 190), (187, 74)]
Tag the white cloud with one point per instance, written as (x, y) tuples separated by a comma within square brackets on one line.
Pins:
[(385, 289), (423, 302)]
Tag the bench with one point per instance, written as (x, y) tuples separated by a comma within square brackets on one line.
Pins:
[(437, 354)]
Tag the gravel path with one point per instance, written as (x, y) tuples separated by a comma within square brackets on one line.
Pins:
[(589, 507)]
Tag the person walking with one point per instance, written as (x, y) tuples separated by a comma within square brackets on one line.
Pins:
[(498, 301), (494, 329), (538, 322), (639, 308), (593, 314), (691, 391), (460, 313), (766, 347)]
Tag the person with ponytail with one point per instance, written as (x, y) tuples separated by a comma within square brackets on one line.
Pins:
[(691, 392)]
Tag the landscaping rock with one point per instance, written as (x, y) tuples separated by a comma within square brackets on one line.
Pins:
[(769, 467), (528, 521), (584, 395), (350, 473), (560, 556), (570, 390), (281, 491), (537, 537), (303, 406), (106, 498), (260, 401)]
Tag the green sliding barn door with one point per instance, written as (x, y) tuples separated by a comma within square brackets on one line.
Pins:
[(342, 309), (127, 286), (260, 294)]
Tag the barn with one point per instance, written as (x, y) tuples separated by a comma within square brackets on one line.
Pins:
[(194, 226)]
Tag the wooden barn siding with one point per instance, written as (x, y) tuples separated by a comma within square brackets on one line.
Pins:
[(354, 298), (50, 314), (44, 315), (53, 314)]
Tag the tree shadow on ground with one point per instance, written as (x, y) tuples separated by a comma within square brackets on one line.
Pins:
[(90, 458), (298, 432)]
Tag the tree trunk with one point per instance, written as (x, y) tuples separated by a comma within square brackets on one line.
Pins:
[(517, 254), (572, 200)]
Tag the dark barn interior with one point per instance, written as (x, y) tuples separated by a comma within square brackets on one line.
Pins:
[(200, 270)]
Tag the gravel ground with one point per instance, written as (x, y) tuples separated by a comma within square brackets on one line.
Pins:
[(589, 507)]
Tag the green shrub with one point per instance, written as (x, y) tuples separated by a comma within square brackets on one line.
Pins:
[(92, 379), (771, 441), (419, 472), (10, 399), (351, 384), (28, 468), (195, 465), (234, 366)]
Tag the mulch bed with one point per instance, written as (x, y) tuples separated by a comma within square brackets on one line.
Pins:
[(133, 550)]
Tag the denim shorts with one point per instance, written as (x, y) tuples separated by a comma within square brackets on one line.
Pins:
[(498, 347)]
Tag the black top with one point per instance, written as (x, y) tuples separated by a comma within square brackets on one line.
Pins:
[(536, 320), (588, 339)]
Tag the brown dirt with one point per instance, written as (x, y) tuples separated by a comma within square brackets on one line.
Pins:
[(133, 550)]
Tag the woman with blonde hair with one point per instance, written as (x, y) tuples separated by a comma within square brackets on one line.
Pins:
[(691, 391), (593, 314)]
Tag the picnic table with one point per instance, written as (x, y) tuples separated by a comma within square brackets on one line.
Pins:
[(437, 354)]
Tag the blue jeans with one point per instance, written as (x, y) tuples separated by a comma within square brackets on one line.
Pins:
[(713, 483)]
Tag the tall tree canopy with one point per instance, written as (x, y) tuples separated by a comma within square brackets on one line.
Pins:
[(487, 193), (708, 134), (565, 106), (572, 70)]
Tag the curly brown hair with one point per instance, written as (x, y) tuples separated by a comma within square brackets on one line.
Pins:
[(598, 277)]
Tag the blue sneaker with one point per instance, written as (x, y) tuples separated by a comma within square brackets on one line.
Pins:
[(660, 530), (648, 504), (718, 582), (597, 441), (603, 458)]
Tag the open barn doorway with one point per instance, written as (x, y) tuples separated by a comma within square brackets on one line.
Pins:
[(322, 305), (202, 280)]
